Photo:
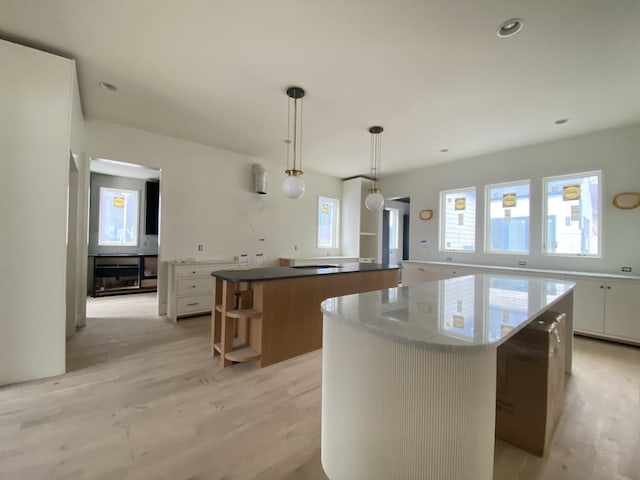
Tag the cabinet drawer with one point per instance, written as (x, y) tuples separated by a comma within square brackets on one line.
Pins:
[(188, 286), (194, 271), (196, 303)]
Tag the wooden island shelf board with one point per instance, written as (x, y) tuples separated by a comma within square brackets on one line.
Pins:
[(267, 315)]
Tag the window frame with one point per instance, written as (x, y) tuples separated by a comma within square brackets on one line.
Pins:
[(545, 213), (488, 218), (136, 195), (443, 219), (335, 224)]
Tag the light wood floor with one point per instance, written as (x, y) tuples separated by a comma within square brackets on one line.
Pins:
[(143, 400)]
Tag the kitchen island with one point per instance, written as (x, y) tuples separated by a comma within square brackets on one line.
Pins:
[(409, 374), (266, 315)]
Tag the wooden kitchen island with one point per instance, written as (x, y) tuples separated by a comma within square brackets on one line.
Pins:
[(266, 315)]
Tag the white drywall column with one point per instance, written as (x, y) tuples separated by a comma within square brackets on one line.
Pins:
[(35, 112)]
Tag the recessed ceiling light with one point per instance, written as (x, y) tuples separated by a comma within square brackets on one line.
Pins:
[(108, 86), (510, 27), (561, 121), (444, 150)]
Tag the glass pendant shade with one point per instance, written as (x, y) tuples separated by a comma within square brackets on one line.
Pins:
[(293, 184), (374, 201), (293, 187)]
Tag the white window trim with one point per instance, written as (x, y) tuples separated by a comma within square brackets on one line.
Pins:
[(545, 225), (441, 234), (487, 218), (137, 221), (337, 223)]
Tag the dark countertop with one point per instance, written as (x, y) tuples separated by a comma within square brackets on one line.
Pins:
[(277, 273)]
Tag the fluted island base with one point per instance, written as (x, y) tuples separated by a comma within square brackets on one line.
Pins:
[(395, 411)]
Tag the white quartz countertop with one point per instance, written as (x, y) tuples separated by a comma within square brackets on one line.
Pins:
[(200, 261), (524, 270), (473, 312)]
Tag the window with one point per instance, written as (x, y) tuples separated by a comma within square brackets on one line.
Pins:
[(327, 222), (118, 217), (572, 211), (458, 221), (507, 228)]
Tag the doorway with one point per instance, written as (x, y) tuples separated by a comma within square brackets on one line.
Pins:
[(395, 230), (124, 222)]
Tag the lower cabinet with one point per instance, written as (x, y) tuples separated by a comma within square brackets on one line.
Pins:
[(191, 288), (413, 274), (588, 305), (607, 307)]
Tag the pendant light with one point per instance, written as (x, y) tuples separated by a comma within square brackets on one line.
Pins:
[(375, 200), (293, 184)]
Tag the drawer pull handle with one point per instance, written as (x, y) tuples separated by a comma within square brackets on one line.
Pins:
[(192, 304), (193, 286), (194, 272)]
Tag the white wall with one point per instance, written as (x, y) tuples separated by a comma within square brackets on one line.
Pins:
[(350, 213), (615, 152), (35, 116), (207, 198), (82, 206)]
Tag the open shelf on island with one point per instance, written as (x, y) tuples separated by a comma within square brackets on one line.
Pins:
[(244, 354)]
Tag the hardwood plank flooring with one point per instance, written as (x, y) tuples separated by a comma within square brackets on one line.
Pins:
[(144, 400)]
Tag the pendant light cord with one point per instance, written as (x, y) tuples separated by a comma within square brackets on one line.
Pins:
[(300, 159), (288, 141), (376, 147), (296, 160), (295, 131)]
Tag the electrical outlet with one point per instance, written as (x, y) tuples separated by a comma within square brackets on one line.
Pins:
[(626, 269), (200, 247)]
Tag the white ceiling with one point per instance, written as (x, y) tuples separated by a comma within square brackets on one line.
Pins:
[(433, 73), (122, 169)]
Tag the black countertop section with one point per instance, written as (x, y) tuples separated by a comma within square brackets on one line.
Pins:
[(277, 273)]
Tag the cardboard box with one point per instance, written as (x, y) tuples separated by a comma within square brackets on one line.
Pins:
[(530, 384)]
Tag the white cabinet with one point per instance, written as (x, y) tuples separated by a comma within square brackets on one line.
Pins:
[(588, 305), (607, 307), (310, 261), (413, 273), (191, 287), (621, 309), (359, 225)]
